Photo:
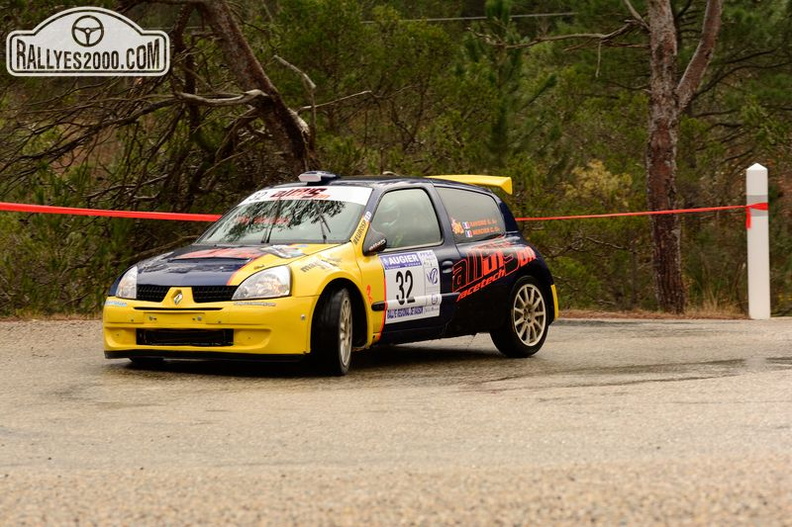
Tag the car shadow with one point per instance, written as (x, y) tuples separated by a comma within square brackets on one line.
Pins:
[(416, 355), (379, 359)]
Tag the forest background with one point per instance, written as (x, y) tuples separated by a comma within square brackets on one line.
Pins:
[(415, 87)]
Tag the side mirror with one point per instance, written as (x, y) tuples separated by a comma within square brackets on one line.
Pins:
[(374, 243)]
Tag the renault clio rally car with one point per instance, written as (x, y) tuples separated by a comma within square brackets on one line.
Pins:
[(318, 268)]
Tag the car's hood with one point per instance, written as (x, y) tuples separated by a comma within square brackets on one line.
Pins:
[(209, 265)]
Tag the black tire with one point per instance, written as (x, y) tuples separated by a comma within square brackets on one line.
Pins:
[(332, 332), (527, 320)]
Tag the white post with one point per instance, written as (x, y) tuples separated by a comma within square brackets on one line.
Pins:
[(758, 244)]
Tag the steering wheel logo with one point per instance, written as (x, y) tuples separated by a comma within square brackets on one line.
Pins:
[(87, 31)]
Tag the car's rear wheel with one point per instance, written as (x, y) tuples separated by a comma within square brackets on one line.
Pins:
[(331, 336), (525, 328)]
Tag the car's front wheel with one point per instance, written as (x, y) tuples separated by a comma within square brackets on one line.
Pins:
[(525, 328), (331, 336)]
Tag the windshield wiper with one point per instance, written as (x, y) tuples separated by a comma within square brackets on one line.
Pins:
[(266, 239), (322, 221)]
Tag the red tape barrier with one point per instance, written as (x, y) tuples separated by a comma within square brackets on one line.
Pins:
[(178, 216), (144, 215), (747, 208)]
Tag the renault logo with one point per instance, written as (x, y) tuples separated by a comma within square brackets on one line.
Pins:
[(177, 298)]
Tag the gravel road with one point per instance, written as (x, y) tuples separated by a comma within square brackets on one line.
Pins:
[(633, 422)]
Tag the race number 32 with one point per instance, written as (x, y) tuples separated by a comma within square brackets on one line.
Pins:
[(404, 281), (412, 286)]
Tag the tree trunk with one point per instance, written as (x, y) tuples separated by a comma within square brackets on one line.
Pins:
[(289, 132), (661, 157), (669, 97)]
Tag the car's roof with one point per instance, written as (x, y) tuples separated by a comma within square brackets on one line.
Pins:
[(382, 182)]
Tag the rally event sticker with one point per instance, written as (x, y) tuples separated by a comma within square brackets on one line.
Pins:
[(412, 286)]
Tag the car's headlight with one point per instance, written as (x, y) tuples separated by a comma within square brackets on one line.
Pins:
[(270, 283), (127, 286)]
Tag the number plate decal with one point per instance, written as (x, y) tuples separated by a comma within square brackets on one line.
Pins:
[(412, 286)]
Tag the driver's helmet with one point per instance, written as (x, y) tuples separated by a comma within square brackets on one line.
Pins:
[(387, 217)]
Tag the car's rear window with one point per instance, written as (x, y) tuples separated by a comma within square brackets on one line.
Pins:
[(474, 216)]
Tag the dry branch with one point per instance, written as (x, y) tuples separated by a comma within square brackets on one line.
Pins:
[(246, 98)]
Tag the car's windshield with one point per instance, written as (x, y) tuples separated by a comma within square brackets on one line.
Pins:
[(299, 215)]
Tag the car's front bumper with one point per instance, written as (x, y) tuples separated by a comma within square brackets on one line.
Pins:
[(257, 329)]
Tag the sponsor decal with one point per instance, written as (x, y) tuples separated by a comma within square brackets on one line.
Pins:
[(261, 220), (301, 193), (412, 286), (361, 228), (404, 313), (204, 266), (318, 263), (87, 41), (433, 276), (241, 253), (244, 253), (401, 260), (473, 229), (357, 195), (376, 246), (284, 251), (485, 264), (456, 227)]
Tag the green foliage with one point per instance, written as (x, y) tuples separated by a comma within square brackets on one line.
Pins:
[(59, 264), (601, 263)]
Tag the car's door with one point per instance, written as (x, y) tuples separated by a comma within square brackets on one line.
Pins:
[(417, 263)]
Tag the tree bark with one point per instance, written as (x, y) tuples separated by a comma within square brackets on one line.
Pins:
[(288, 130), (669, 97)]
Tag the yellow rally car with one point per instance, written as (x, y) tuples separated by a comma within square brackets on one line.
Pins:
[(324, 266)]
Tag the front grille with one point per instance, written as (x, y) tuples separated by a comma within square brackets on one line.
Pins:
[(152, 293), (201, 294), (213, 293), (210, 338)]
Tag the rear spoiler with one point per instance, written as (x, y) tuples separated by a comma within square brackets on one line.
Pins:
[(503, 183)]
